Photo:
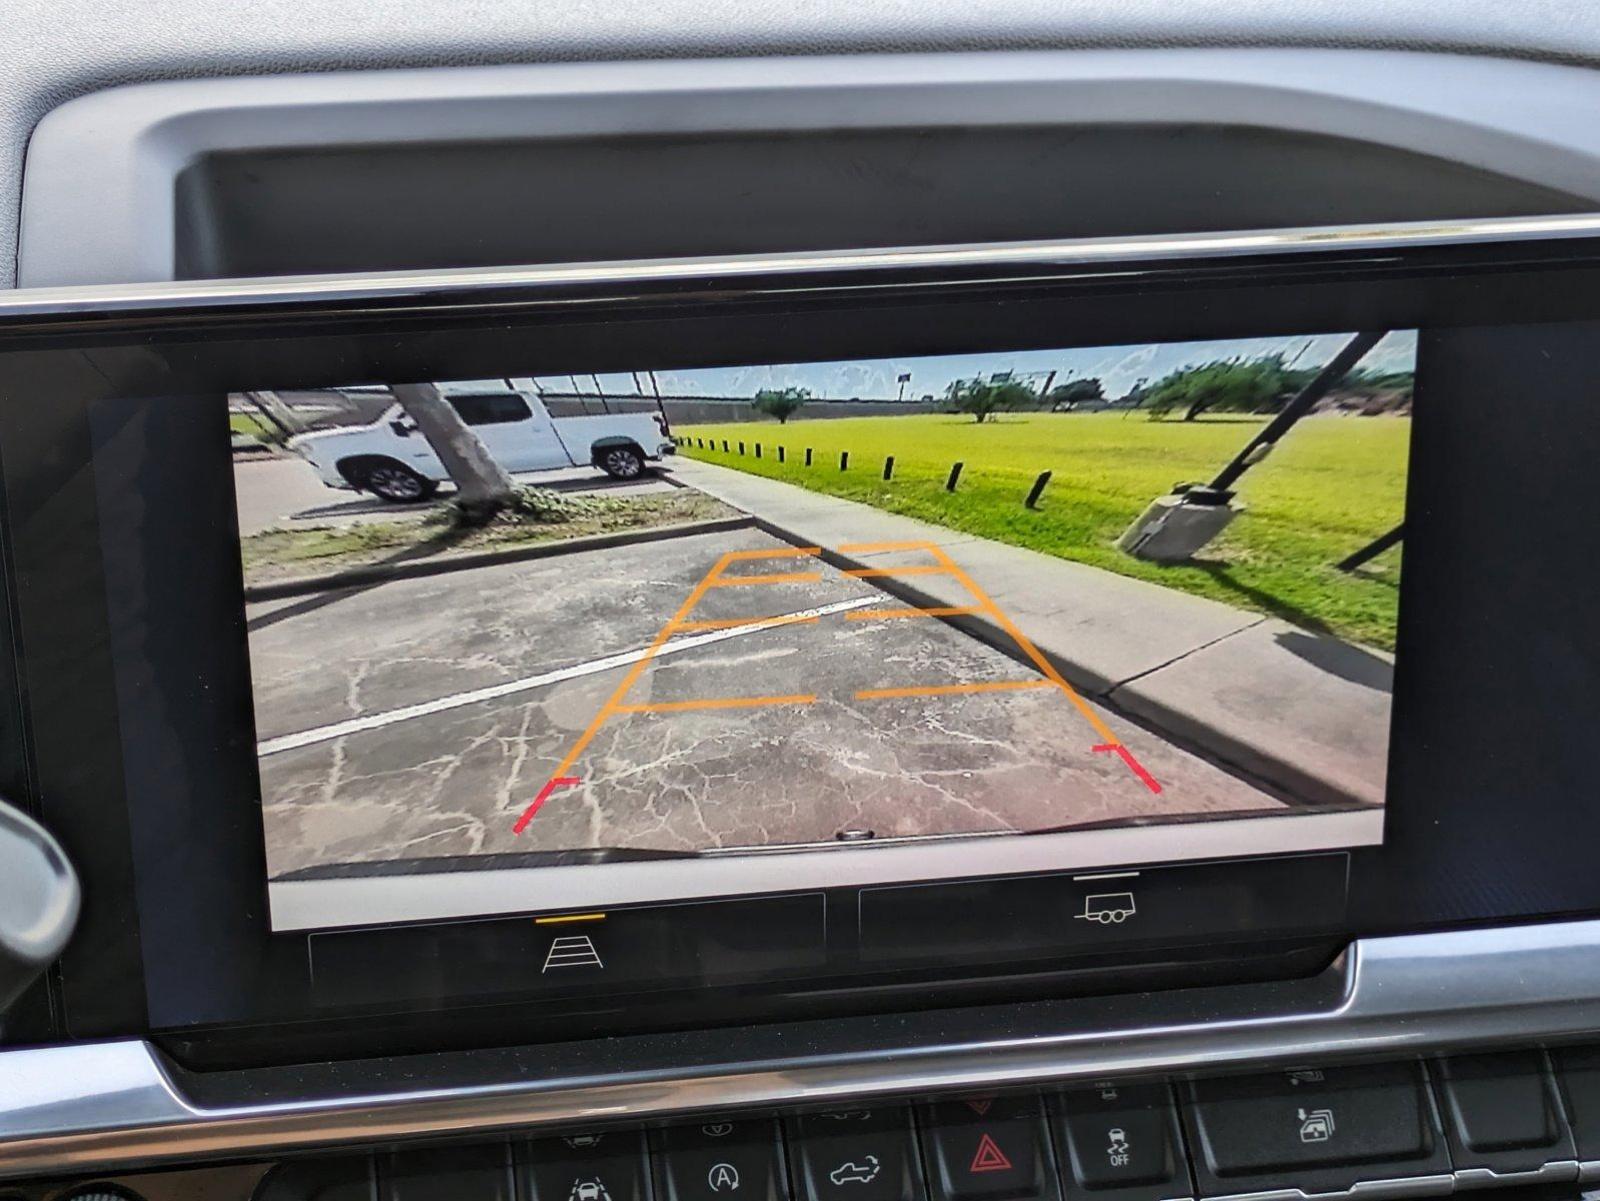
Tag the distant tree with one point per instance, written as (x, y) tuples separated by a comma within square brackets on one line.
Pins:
[(981, 399), (780, 402), (1076, 391), (1399, 384), (1224, 386)]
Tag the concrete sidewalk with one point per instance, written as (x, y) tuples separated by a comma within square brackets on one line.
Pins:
[(1303, 711)]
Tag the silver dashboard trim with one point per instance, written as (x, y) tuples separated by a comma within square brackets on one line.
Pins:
[(1377, 238), (102, 1105), (1435, 1185), (1555, 1172)]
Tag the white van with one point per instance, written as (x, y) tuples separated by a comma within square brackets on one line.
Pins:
[(390, 459)]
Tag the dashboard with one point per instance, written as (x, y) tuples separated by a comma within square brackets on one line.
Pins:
[(822, 625)]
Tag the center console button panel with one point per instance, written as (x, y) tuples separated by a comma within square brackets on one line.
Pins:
[(1525, 1123)]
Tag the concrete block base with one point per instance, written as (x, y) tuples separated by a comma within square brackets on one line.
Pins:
[(1174, 528)]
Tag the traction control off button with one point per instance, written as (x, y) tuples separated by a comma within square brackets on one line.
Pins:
[(1121, 1137)]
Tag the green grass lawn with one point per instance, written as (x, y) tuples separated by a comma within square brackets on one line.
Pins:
[(1333, 485), (247, 423)]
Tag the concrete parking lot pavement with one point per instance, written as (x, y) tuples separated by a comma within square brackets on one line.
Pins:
[(422, 718), (282, 491)]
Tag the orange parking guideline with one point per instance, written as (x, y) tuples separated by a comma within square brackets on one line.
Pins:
[(785, 577), (1112, 743), (873, 694), (731, 702), (946, 566), (881, 614), (1046, 668), (735, 623), (788, 552), (868, 548)]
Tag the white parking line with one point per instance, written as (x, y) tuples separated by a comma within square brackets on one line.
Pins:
[(376, 721)]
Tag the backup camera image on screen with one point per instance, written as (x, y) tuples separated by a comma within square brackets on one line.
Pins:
[(542, 643)]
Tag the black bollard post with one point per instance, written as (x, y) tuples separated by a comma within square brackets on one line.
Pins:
[(1037, 490)]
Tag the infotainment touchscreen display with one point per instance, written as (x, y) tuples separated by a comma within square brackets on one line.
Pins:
[(606, 648), (600, 638)]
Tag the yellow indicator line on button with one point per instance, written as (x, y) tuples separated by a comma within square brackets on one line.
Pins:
[(569, 917)]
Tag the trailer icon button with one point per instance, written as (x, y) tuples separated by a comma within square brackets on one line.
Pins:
[(1107, 908)]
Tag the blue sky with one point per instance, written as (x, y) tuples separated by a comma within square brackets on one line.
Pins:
[(1119, 367)]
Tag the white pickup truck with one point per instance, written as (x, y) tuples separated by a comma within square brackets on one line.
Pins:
[(390, 459)]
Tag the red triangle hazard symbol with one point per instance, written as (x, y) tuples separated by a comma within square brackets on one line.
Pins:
[(989, 1158), (980, 1105)]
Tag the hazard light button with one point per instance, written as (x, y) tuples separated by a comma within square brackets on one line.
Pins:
[(988, 1149)]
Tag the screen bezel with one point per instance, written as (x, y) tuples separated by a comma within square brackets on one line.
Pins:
[(67, 361)]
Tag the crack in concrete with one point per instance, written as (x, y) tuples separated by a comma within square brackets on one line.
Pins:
[(1193, 650)]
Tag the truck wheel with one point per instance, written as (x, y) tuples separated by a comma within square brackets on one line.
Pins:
[(397, 483), (621, 462)]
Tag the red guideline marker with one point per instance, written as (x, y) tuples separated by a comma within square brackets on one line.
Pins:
[(1134, 765), (538, 801)]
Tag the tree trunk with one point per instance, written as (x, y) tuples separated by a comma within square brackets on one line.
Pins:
[(483, 487), (1198, 407), (276, 414)]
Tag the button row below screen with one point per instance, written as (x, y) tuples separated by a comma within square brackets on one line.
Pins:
[(1457, 1123), (1120, 1143)]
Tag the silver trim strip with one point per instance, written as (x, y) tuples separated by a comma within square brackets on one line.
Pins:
[(1362, 1190), (1554, 1172), (96, 1106), (1079, 252)]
